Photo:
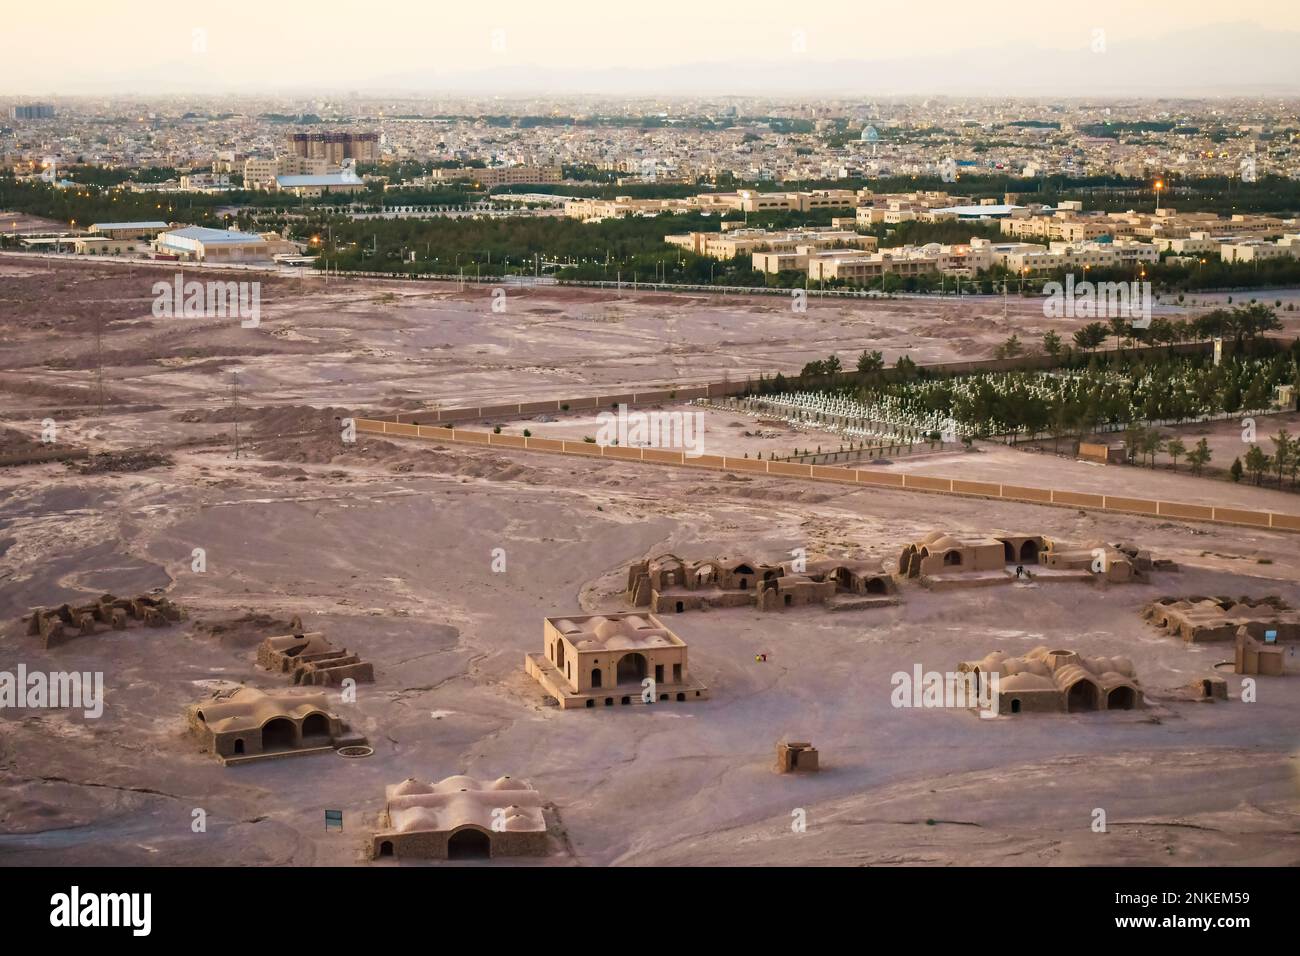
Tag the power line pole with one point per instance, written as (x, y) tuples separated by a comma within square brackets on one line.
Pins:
[(234, 400), (99, 363)]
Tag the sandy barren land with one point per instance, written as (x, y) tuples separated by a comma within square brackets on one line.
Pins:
[(387, 547)]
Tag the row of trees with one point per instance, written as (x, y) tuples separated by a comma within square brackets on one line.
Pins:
[(1240, 324), (1284, 462), (1083, 394)]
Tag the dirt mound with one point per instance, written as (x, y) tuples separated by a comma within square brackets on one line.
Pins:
[(120, 461), (14, 442), (245, 630)]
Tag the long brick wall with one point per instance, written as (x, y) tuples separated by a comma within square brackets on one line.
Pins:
[(1174, 510)]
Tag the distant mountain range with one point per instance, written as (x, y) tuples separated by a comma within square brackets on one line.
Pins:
[(1226, 60)]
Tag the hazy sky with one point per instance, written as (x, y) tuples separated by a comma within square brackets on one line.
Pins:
[(80, 46)]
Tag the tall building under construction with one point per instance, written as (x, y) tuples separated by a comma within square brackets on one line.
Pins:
[(334, 148)]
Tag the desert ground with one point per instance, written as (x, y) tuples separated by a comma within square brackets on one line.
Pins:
[(387, 547)]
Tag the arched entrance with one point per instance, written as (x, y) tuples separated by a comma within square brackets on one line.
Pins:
[(1008, 552), (316, 725), (1121, 698), (631, 668), (559, 653), (1029, 552), (1082, 696), (386, 848), (595, 677), (469, 844), (876, 586), (279, 733)]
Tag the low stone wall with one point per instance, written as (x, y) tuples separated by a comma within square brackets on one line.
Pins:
[(1174, 510)]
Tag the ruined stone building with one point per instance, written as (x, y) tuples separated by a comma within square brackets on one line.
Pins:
[(669, 585), (310, 658), (1046, 681), (941, 559), (246, 724), (460, 818), (1220, 618), (61, 624), (606, 659)]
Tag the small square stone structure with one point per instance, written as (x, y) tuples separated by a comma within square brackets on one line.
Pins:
[(246, 724), (460, 817), (600, 660), (796, 757), (1256, 657), (1209, 688)]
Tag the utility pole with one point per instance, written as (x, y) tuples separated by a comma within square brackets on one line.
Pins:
[(234, 399), (99, 362)]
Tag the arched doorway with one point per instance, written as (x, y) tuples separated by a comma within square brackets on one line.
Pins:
[(316, 725), (952, 558), (386, 848), (469, 844), (559, 653), (1029, 552), (279, 733), (239, 745), (876, 586), (631, 668), (1008, 552), (1082, 696), (1121, 698), (595, 677)]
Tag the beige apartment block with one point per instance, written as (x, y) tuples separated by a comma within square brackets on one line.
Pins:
[(127, 230), (594, 210), (261, 173), (730, 243), (604, 659), (1257, 250), (460, 818), (1056, 681), (490, 177)]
